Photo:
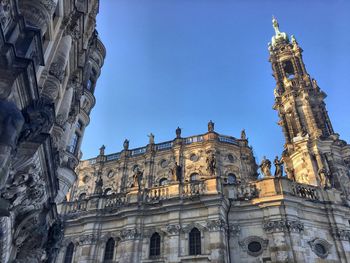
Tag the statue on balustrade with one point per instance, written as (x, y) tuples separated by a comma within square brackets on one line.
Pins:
[(265, 167), (98, 185), (279, 167), (126, 144), (178, 133), (243, 135), (325, 178), (102, 150), (151, 138), (210, 126), (138, 175), (211, 164)]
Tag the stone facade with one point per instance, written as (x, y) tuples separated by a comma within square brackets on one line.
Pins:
[(201, 199), (50, 60)]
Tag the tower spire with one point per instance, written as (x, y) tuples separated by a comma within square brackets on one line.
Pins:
[(301, 109), (275, 25)]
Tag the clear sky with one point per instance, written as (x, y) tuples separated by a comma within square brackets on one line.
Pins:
[(182, 63)]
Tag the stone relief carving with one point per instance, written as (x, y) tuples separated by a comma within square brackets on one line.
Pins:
[(173, 229), (11, 123), (215, 225), (283, 225), (211, 164), (5, 13), (39, 118), (129, 234), (234, 229), (88, 239)]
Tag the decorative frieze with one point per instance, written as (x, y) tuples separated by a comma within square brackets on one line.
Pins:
[(216, 225), (173, 229), (283, 225), (129, 234)]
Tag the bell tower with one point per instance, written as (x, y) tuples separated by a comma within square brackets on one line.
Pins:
[(302, 112)]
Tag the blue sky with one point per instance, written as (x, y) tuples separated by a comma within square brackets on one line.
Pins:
[(182, 63)]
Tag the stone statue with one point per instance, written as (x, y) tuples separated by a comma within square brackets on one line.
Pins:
[(126, 144), (98, 185), (243, 135), (324, 178), (279, 167), (265, 167), (211, 126), (102, 150), (177, 172), (11, 123), (276, 26), (151, 138), (138, 175), (211, 164), (178, 133)]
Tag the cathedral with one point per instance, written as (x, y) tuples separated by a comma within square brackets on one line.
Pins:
[(202, 199), (50, 60)]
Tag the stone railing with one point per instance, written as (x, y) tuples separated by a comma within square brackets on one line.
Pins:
[(115, 200), (305, 191), (154, 194), (166, 146), (193, 189), (272, 186)]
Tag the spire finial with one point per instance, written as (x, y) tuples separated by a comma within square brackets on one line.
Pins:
[(275, 25)]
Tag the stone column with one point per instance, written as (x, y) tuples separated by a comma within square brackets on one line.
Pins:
[(172, 243), (57, 69)]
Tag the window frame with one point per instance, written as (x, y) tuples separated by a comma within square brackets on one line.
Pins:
[(194, 242), (108, 255), (154, 245)]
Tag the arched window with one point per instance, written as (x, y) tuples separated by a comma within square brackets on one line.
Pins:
[(109, 251), (69, 253), (231, 178), (194, 177), (154, 248), (163, 181), (82, 196), (195, 242)]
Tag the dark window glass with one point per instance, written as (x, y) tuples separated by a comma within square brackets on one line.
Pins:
[(155, 245), (109, 251), (195, 242), (254, 246), (69, 253), (320, 249), (82, 196)]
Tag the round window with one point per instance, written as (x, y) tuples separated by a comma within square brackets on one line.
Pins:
[(194, 158), (163, 163), (254, 247), (86, 179), (320, 250)]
